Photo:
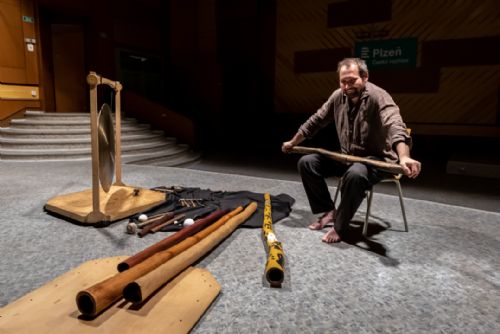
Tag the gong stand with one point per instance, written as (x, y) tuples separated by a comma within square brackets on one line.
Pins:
[(94, 80), (106, 203)]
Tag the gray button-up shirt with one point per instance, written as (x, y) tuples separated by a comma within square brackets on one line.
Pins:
[(377, 127)]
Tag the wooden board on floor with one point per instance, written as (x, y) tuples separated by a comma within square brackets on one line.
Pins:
[(120, 202), (175, 308)]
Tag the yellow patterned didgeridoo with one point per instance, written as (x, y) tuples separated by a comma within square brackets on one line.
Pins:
[(276, 259)]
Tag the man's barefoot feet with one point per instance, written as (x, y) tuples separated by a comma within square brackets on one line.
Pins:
[(325, 219), (331, 236)]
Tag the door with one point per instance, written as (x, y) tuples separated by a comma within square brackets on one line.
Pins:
[(69, 68)]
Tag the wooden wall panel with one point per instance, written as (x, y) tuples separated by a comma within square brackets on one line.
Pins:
[(30, 32), (457, 79), (18, 63), (12, 57)]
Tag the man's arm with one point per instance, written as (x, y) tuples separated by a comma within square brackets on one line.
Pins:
[(314, 123), (410, 166), (296, 140)]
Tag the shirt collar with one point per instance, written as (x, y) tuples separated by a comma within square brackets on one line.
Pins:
[(364, 94)]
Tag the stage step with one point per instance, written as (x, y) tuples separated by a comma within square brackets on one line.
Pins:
[(66, 136)]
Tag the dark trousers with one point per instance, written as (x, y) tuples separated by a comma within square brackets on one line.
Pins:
[(358, 178)]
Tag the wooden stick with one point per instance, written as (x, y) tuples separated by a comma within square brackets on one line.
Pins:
[(345, 158), (144, 286)]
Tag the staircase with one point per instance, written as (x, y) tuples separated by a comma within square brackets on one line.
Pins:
[(42, 136)]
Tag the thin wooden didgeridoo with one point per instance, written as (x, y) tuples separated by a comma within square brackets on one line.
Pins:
[(274, 272), (174, 220), (100, 296), (145, 230), (157, 227), (345, 158), (171, 240), (143, 287)]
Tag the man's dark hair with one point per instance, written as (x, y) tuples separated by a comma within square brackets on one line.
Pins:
[(360, 63)]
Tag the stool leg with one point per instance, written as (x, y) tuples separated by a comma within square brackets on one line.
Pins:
[(402, 204), (368, 207)]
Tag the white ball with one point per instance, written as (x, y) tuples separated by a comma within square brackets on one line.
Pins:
[(143, 218), (188, 222)]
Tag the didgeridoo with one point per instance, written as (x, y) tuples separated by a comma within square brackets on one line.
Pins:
[(346, 158), (144, 286), (275, 272), (100, 296), (175, 220), (171, 240), (157, 221)]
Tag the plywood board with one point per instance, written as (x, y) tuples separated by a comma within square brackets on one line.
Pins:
[(120, 202), (17, 92), (175, 308)]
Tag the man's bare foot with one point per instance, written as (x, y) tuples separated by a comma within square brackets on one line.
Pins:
[(325, 219), (331, 236)]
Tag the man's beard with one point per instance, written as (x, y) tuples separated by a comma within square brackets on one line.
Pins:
[(352, 93)]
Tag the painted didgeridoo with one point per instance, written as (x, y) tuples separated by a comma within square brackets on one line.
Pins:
[(345, 158), (143, 287), (171, 240), (100, 296), (275, 271)]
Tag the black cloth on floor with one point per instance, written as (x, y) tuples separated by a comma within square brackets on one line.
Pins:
[(208, 200)]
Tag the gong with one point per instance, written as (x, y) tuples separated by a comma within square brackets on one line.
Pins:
[(106, 140)]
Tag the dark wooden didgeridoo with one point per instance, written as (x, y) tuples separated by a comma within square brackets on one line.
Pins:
[(100, 296), (345, 158), (174, 220), (171, 240), (157, 221), (203, 242)]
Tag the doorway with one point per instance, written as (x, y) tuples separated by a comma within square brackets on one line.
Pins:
[(69, 68)]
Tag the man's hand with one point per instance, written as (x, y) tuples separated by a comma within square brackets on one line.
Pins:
[(411, 167), (296, 140), (287, 146)]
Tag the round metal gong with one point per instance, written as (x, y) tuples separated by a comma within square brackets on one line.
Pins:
[(106, 140)]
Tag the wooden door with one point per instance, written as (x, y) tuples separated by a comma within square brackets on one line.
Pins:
[(69, 68)]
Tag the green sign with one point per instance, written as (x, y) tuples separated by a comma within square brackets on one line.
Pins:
[(28, 19), (389, 53)]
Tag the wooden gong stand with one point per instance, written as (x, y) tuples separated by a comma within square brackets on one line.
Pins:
[(93, 206)]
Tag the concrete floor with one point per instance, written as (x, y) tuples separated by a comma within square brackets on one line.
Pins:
[(440, 277)]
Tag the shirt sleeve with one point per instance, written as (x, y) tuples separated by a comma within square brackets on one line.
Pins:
[(392, 121), (321, 118)]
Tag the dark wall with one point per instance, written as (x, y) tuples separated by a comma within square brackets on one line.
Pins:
[(217, 62), (110, 26), (245, 51)]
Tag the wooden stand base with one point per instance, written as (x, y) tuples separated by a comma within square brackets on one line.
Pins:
[(175, 308), (118, 203)]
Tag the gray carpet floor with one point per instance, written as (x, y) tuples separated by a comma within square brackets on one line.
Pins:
[(443, 276)]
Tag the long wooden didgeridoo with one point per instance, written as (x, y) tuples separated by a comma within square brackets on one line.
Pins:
[(171, 240), (100, 296), (275, 272), (144, 286), (345, 158)]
